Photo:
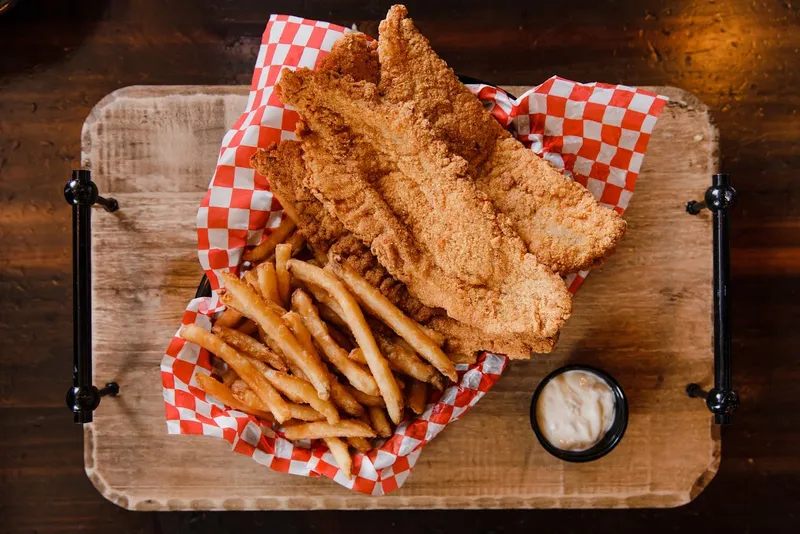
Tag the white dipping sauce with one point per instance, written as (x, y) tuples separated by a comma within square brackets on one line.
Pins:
[(575, 409)]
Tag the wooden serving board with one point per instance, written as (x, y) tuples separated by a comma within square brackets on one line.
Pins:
[(154, 150)]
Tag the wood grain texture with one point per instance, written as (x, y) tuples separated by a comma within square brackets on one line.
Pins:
[(644, 316)]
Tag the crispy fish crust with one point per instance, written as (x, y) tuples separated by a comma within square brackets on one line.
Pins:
[(352, 55), (559, 220), (283, 166), (383, 173)]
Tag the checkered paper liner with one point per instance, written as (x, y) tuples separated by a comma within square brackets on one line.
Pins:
[(190, 411), (597, 133)]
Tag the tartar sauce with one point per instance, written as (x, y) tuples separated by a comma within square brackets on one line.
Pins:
[(575, 409)]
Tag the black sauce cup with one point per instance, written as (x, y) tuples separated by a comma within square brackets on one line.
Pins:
[(608, 441)]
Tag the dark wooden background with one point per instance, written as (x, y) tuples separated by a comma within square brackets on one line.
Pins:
[(742, 57)]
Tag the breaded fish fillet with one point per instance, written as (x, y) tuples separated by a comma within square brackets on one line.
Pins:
[(283, 166), (380, 170), (559, 220), (353, 55)]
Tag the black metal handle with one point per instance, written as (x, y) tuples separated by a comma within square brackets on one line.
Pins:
[(722, 400), (83, 397)]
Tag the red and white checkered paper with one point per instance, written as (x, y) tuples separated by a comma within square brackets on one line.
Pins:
[(596, 133)]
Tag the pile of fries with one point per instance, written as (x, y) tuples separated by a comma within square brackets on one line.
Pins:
[(301, 353)]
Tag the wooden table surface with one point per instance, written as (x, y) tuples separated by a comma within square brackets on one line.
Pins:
[(59, 57)]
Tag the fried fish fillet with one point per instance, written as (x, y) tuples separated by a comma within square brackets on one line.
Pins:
[(559, 220), (283, 166), (353, 55), (380, 170)]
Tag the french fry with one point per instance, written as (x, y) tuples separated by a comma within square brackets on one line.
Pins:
[(345, 400), (268, 282), (239, 385), (327, 313), (379, 422), (403, 344), (229, 300), (283, 253), (339, 395), (328, 308), (301, 412), (293, 368), (405, 361), (358, 326), (320, 257), (359, 444), (417, 396), (297, 241), (229, 318), (288, 207), (254, 307), (277, 309), (241, 364), (400, 382), (272, 345), (357, 355), (251, 279), (249, 346), (246, 395), (436, 337), (378, 305), (346, 428), (363, 398), (277, 236), (295, 323), (229, 377), (223, 394), (298, 390), (359, 377), (409, 364), (304, 412), (467, 359), (248, 327), (341, 454), (438, 381), (331, 312), (341, 339)]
